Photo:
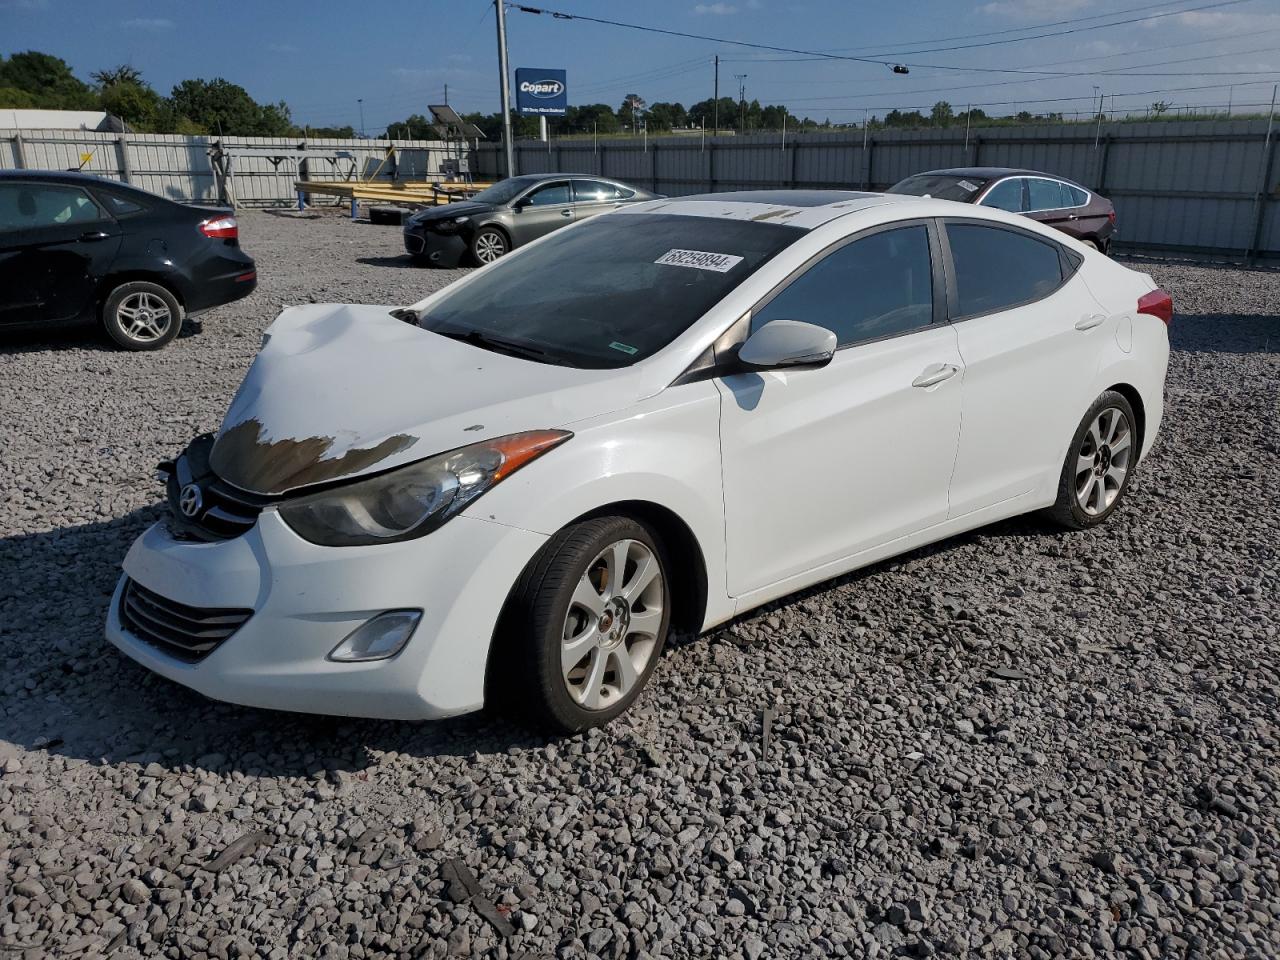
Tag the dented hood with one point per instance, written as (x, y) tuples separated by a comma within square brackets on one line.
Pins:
[(341, 390)]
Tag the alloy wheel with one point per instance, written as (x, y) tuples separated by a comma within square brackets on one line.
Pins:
[(1103, 460), (611, 627), (489, 247), (144, 317)]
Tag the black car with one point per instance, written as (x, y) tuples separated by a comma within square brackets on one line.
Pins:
[(509, 214), (76, 248)]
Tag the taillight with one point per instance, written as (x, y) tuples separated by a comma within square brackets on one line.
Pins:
[(220, 228), (1157, 303)]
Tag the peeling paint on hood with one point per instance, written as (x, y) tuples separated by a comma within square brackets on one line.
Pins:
[(342, 390)]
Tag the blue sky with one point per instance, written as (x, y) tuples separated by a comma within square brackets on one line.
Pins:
[(321, 56)]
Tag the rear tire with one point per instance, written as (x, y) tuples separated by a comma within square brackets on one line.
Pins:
[(140, 315), (1099, 464), (584, 626)]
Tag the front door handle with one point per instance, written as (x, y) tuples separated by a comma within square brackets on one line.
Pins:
[(566, 213), (935, 374), (90, 236), (1091, 321)]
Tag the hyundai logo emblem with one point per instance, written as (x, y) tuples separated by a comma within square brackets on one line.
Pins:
[(190, 500)]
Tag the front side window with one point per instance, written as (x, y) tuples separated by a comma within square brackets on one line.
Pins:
[(1006, 195), (553, 194), (610, 291), (26, 206), (875, 287), (997, 269)]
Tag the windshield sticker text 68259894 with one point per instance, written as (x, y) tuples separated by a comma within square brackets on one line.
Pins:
[(700, 260)]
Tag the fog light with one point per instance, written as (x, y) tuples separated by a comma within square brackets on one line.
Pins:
[(377, 639)]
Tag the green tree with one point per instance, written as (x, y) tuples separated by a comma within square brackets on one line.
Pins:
[(414, 127), (942, 114), (135, 103), (587, 117), (225, 108), (703, 113), (48, 80), (121, 74), (16, 99), (667, 116), (632, 108)]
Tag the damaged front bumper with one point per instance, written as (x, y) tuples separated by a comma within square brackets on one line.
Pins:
[(301, 600)]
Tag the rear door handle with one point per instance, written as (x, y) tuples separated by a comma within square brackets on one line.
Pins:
[(935, 374), (89, 236), (566, 213), (1091, 321)]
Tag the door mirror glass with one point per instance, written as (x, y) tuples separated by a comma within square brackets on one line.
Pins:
[(788, 343)]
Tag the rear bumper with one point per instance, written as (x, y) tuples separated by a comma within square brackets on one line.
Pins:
[(305, 599), (218, 281), (437, 249)]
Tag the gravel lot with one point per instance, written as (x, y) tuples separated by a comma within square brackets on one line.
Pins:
[(1021, 742)]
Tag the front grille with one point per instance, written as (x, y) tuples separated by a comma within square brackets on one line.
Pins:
[(219, 511), (188, 633)]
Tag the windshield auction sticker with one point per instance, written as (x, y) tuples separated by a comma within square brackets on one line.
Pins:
[(700, 260)]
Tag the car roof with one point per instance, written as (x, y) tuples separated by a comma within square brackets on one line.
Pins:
[(805, 209), (991, 173), (58, 176)]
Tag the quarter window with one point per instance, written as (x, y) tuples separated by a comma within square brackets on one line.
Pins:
[(25, 206), (875, 287), (551, 195), (120, 206), (1006, 195), (997, 269)]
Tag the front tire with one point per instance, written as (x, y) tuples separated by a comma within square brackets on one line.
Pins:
[(1099, 464), (585, 625), (488, 245), (140, 315)]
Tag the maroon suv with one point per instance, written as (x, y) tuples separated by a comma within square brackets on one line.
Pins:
[(1054, 201)]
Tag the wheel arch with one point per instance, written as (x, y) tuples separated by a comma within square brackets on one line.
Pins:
[(1130, 393), (688, 580), (500, 227), (111, 281)]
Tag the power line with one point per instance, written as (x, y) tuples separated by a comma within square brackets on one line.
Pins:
[(884, 60)]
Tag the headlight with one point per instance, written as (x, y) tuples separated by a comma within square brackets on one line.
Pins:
[(413, 500)]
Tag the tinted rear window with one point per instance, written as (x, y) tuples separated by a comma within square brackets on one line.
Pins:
[(597, 296), (941, 186), (997, 269)]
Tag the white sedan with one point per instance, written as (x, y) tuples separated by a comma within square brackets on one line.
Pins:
[(515, 490)]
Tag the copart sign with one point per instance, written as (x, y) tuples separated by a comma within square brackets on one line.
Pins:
[(541, 92)]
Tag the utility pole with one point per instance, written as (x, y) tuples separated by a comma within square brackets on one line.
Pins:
[(715, 102), (742, 102), (508, 148), (360, 101), (446, 94), (1097, 132)]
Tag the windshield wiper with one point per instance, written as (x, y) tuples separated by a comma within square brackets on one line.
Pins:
[(512, 348)]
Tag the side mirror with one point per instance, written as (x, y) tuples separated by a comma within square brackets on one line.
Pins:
[(783, 344), (521, 203)]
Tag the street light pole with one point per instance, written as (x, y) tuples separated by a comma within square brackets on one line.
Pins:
[(505, 88), (360, 101)]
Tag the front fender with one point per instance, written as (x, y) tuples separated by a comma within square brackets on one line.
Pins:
[(663, 451)]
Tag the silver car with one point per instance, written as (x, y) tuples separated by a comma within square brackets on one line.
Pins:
[(510, 213)]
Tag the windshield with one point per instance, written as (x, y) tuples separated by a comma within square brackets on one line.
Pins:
[(505, 190), (610, 292), (941, 186)]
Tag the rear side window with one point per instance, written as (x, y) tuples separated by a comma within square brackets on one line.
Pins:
[(120, 206), (1074, 196), (595, 191), (1006, 195), (1047, 194), (26, 206), (997, 269), (875, 287)]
